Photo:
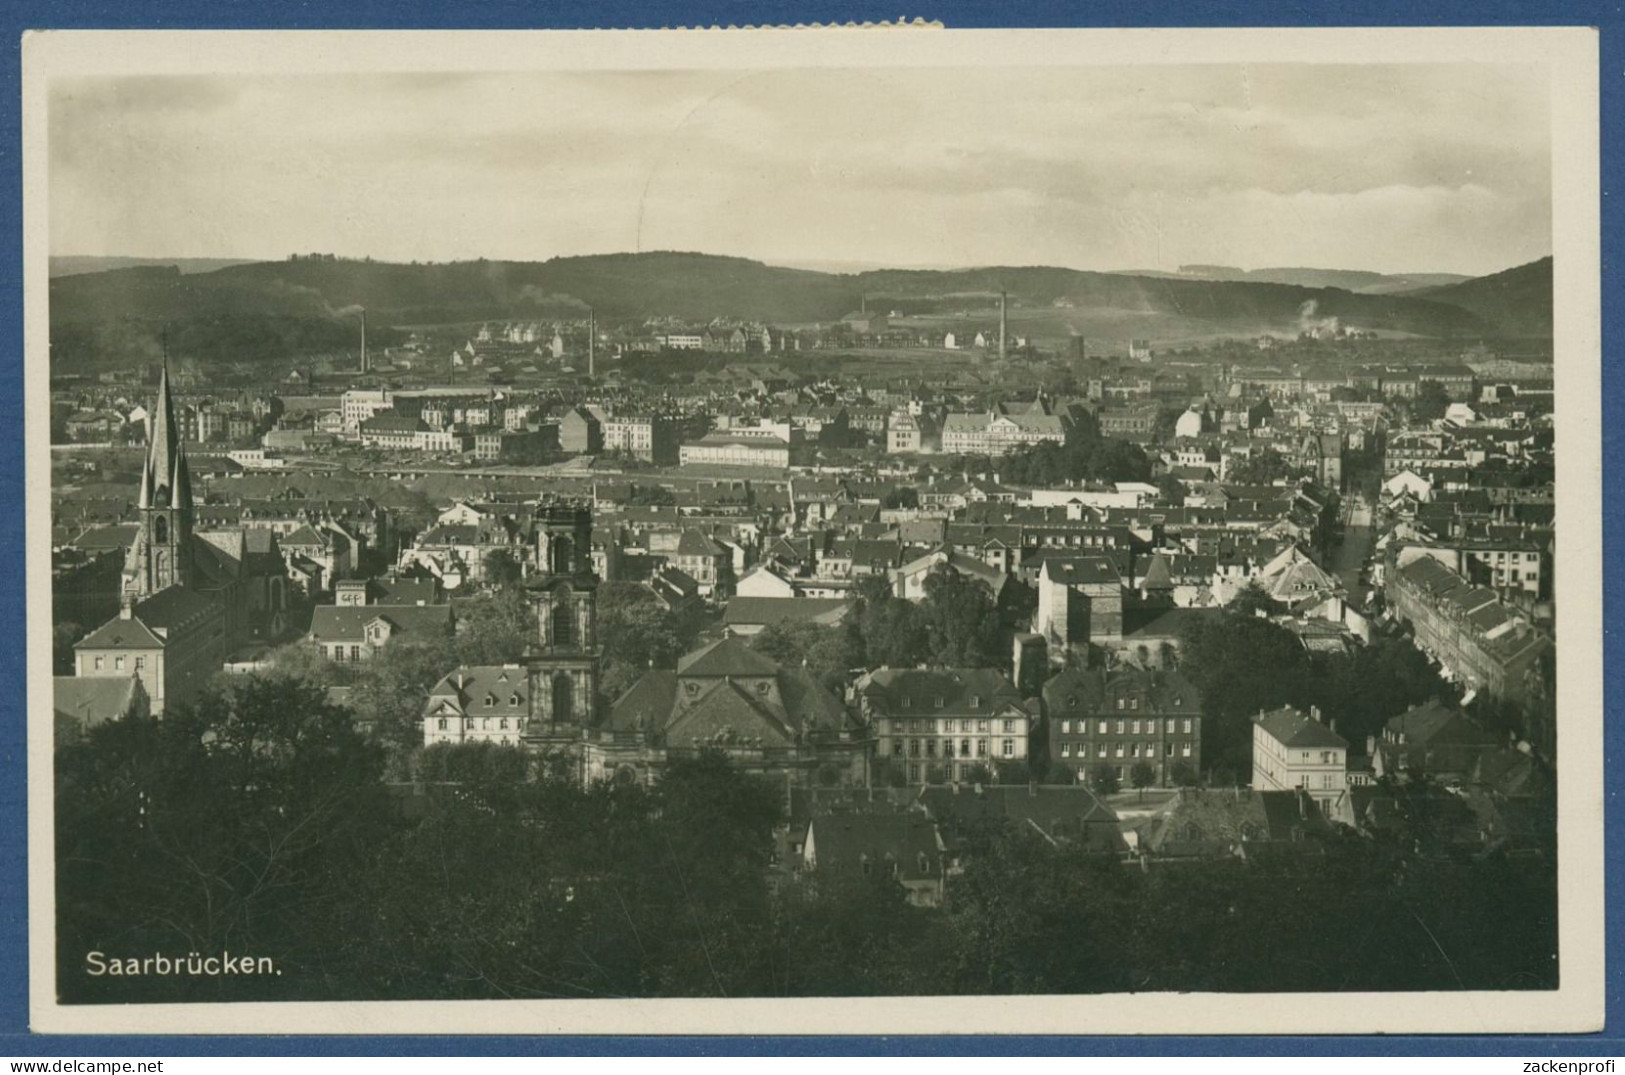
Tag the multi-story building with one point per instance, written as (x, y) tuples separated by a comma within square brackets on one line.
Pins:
[(1080, 600), (994, 433), (652, 437), (1293, 750), (359, 404), (726, 449), (1124, 718), (1480, 642), (938, 724)]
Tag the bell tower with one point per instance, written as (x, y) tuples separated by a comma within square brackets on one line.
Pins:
[(162, 553), (564, 657)]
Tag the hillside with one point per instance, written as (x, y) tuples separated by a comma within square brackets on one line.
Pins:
[(276, 309), (1366, 283), (1518, 302), (78, 265)]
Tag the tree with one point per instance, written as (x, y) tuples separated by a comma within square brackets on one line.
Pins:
[(1142, 776), (962, 622), (1103, 779), (502, 570), (1252, 599), (895, 632), (1432, 400), (904, 496), (63, 637), (826, 651), (236, 821), (494, 629), (1183, 775)]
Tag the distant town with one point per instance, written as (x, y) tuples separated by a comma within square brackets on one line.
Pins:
[(939, 646)]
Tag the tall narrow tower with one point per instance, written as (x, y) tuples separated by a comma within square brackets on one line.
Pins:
[(161, 555), (564, 660), (592, 343), (363, 339), (1004, 324)]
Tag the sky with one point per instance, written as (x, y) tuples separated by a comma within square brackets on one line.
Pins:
[(1390, 168)]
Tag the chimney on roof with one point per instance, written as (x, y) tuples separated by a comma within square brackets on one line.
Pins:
[(126, 606), (1314, 711)]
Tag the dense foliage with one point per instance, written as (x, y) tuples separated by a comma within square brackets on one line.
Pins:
[(254, 823)]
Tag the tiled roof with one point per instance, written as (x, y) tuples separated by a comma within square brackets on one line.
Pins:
[(1294, 728)]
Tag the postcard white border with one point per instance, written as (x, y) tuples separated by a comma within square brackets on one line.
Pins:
[(1572, 56)]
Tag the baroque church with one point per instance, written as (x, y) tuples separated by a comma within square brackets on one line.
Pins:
[(188, 597), (768, 719)]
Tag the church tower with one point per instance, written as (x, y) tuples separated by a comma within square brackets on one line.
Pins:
[(162, 553), (564, 659)]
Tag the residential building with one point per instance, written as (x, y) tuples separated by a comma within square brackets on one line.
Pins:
[(1295, 750), (1123, 718), (938, 724)]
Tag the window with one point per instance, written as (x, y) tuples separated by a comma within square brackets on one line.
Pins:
[(981, 748), (98, 664), (1009, 727), (140, 663), (930, 748), (1009, 748), (1121, 703), (1134, 727), (976, 701), (355, 653), (1102, 727), (897, 747), (1066, 727), (981, 726), (513, 701), (442, 723), (118, 664), (914, 772), (1134, 750), (1187, 725), (937, 701), (913, 748), (1134, 703), (964, 748), (1101, 753), (1119, 727), (1066, 750), (1171, 723), (907, 702), (1119, 750), (503, 724), (490, 700)]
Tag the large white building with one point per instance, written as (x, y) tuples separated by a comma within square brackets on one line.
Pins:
[(359, 404), (997, 434), (1294, 750)]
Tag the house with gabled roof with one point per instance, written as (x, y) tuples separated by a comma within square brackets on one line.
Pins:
[(1295, 750)]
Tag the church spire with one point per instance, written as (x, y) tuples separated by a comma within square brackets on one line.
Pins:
[(165, 474)]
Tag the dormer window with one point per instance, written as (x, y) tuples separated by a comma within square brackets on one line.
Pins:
[(490, 700), (976, 701), (938, 701), (513, 700)]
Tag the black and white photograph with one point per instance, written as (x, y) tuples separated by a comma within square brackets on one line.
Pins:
[(836, 526)]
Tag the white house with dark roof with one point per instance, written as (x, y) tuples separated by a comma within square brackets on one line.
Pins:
[(358, 632), (1293, 749), (479, 704), (940, 723)]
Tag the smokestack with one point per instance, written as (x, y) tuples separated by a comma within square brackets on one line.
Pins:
[(1004, 321), (592, 343), (363, 339)]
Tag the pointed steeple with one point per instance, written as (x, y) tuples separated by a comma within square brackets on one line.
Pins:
[(163, 449)]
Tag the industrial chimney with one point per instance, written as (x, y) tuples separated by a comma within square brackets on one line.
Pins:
[(363, 339), (1004, 324), (592, 343)]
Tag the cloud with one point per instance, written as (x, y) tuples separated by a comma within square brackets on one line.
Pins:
[(1442, 167)]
